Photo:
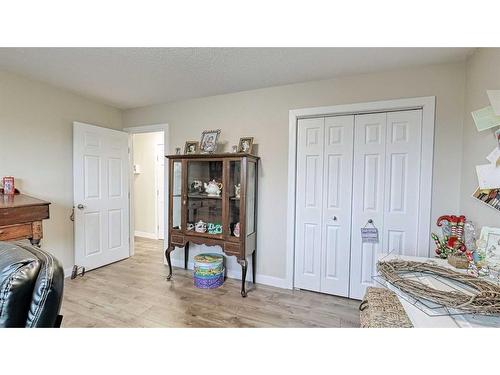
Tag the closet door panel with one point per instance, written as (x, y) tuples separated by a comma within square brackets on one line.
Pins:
[(337, 193), (402, 182), (309, 203), (368, 198)]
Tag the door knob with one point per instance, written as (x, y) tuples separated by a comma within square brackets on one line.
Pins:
[(334, 218), (80, 206)]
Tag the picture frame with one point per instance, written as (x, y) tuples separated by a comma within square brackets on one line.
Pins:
[(191, 147), (489, 244), (209, 139), (245, 145), (8, 186)]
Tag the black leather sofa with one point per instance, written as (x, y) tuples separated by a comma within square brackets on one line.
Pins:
[(31, 287)]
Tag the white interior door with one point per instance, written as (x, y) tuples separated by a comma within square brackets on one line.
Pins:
[(160, 191), (337, 195), (387, 153), (402, 182), (368, 197), (309, 203), (101, 195)]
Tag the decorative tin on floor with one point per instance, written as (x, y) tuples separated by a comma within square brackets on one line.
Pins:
[(208, 271)]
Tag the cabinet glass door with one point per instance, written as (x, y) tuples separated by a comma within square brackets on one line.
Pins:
[(234, 189), (176, 194), (250, 197), (204, 197)]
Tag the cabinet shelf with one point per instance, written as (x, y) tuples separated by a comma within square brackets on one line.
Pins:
[(204, 196)]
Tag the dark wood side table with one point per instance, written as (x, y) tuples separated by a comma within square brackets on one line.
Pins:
[(21, 218)]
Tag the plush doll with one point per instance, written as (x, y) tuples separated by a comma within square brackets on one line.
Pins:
[(453, 236)]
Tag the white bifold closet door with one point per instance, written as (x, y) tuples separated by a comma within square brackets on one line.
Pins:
[(386, 175), (323, 206), (351, 169)]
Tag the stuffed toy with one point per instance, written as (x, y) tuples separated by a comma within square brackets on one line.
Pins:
[(453, 236)]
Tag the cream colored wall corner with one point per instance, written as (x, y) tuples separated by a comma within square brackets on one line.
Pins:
[(264, 114), (482, 73), (36, 138), (145, 146)]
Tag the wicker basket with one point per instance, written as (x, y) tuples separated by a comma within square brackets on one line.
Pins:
[(458, 261), (381, 309)]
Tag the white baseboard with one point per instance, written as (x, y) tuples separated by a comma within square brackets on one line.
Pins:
[(232, 274), (277, 282), (151, 236)]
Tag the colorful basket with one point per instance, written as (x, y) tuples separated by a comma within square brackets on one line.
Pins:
[(208, 271)]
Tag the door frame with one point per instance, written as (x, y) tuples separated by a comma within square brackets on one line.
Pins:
[(427, 104), (166, 137)]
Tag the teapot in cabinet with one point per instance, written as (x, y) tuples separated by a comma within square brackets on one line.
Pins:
[(200, 227), (213, 188)]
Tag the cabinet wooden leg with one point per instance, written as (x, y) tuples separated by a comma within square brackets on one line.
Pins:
[(186, 255), (167, 255), (244, 265), (254, 267)]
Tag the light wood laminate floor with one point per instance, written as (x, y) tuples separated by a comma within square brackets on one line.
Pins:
[(135, 293)]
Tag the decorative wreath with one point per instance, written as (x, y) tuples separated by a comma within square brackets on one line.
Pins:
[(485, 301)]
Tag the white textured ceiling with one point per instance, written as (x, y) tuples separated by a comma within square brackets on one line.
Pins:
[(134, 77)]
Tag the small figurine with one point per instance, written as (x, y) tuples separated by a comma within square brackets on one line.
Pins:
[(237, 189), (470, 235), (214, 228), (236, 230), (484, 271), (196, 186), (454, 241), (472, 270), (200, 227)]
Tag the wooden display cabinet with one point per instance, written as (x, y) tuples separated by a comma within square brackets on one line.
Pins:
[(224, 212)]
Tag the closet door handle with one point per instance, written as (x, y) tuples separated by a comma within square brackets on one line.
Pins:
[(334, 218)]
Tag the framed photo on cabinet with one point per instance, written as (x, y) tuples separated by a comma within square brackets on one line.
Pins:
[(209, 138), (245, 145), (191, 147), (8, 186)]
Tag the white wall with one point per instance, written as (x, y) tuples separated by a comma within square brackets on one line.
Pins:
[(264, 115), (483, 73), (145, 146), (36, 147)]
